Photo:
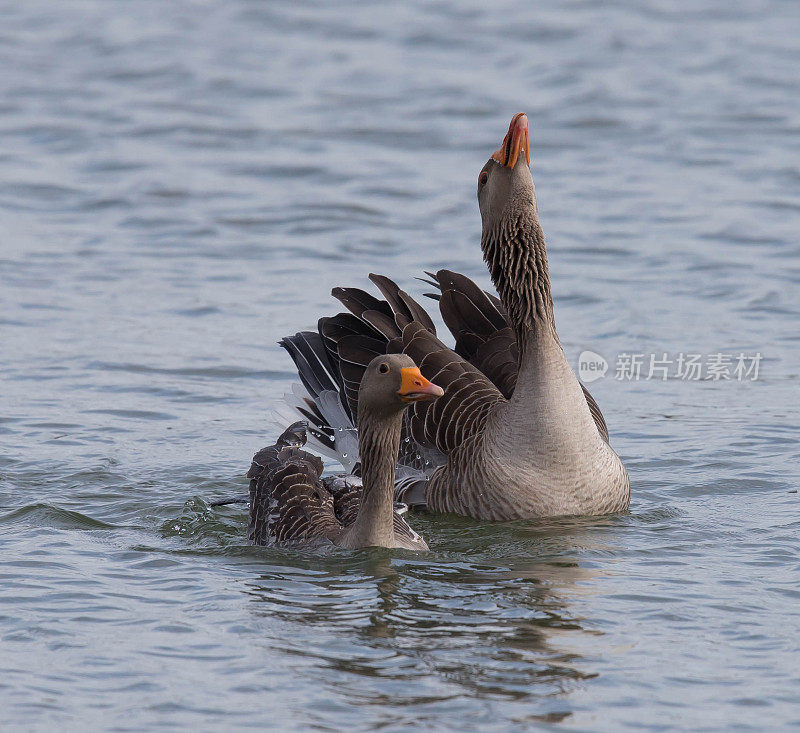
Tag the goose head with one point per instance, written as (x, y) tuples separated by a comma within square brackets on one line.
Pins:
[(505, 185), (391, 383)]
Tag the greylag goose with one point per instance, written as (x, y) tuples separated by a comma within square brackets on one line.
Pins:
[(291, 503), (515, 435)]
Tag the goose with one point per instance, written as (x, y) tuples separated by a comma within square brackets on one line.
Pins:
[(516, 435), (290, 502)]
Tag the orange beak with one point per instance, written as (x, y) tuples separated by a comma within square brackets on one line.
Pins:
[(516, 139), (414, 387)]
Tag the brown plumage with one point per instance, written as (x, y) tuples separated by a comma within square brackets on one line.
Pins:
[(515, 434), (485, 336), (290, 501)]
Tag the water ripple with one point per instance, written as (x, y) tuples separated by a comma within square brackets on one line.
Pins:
[(183, 183)]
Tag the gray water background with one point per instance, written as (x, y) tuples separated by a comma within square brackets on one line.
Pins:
[(181, 183)]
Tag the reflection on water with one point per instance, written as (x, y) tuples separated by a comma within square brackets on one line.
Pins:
[(182, 183), (491, 629)]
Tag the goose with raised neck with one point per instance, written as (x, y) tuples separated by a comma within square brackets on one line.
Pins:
[(515, 435)]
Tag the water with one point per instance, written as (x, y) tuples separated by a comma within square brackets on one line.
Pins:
[(182, 183)]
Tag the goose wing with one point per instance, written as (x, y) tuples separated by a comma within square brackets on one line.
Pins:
[(484, 336), (288, 500), (400, 324)]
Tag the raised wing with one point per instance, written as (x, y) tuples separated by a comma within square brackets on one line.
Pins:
[(484, 336), (399, 324)]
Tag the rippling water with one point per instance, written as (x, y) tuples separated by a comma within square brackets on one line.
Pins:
[(182, 183)]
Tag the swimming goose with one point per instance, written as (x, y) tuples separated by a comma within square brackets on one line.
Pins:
[(291, 503), (515, 435)]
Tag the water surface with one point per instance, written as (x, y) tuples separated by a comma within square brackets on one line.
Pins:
[(182, 183)]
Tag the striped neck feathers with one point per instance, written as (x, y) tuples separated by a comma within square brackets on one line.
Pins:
[(378, 447), (514, 250)]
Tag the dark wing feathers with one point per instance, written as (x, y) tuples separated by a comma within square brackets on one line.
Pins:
[(313, 364), (357, 301), (498, 358), (599, 420), (360, 350), (287, 499), (346, 493), (474, 302), (418, 313), (391, 292), (400, 324), (382, 323), (304, 510), (484, 335), (480, 327), (458, 378), (405, 308)]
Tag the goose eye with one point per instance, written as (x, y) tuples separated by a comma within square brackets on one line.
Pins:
[(383, 368), (483, 177)]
